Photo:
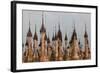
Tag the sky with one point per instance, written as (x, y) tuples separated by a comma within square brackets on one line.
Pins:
[(52, 19)]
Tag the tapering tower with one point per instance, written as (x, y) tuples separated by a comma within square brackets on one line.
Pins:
[(43, 56), (29, 43), (56, 45), (60, 48), (49, 49), (29, 37), (66, 50), (35, 46), (87, 53), (74, 46)]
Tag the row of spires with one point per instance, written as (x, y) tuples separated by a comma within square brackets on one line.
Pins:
[(57, 35)]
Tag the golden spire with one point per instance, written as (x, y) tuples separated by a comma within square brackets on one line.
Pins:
[(59, 32), (35, 34), (85, 35), (55, 37), (42, 27), (29, 34)]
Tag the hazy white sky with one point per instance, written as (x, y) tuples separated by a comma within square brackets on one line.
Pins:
[(51, 19)]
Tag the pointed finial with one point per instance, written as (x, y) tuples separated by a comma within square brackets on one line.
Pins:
[(42, 14), (35, 34), (85, 27), (29, 34), (29, 20), (55, 28), (74, 24), (55, 35), (42, 18), (29, 25), (35, 27), (48, 39), (45, 18), (59, 23), (59, 26), (85, 35), (42, 27)]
